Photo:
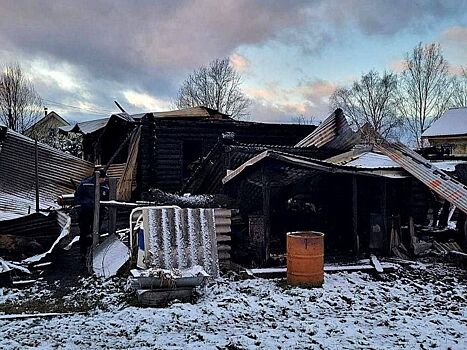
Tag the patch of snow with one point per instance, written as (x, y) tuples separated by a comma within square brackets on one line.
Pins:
[(447, 165), (372, 160), (421, 308)]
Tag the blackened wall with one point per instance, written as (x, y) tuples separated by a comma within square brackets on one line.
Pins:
[(164, 144)]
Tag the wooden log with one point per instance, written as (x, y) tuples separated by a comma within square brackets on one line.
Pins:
[(281, 272), (40, 315), (223, 238), (223, 229)]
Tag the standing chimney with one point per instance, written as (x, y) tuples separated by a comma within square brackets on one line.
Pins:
[(45, 111)]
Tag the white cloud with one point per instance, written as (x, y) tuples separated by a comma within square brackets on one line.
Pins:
[(62, 75), (146, 102), (239, 62)]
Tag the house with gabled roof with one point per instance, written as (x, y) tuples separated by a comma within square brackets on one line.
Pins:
[(46, 126), (449, 132)]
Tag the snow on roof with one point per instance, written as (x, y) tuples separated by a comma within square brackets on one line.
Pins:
[(448, 165), (372, 160), (452, 122), (87, 127)]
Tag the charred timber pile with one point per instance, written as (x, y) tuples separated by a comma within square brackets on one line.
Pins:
[(191, 201)]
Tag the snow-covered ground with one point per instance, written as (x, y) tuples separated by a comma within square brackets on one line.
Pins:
[(423, 306)]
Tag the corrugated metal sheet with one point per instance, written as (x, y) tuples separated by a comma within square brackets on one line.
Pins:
[(17, 175), (334, 132), (437, 180), (179, 238)]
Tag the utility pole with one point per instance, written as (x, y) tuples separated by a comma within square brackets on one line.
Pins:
[(36, 166)]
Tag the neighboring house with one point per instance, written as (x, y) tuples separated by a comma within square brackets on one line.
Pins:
[(46, 126), (449, 132)]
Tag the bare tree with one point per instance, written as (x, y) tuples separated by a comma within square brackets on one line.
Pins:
[(425, 87), (371, 101), (216, 86), (302, 120), (459, 96), (20, 105)]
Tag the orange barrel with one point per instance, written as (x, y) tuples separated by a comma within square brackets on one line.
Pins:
[(305, 258)]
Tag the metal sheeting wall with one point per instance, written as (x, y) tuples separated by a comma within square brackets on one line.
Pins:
[(447, 187), (17, 175), (180, 238)]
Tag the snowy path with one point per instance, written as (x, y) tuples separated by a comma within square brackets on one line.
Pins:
[(422, 308)]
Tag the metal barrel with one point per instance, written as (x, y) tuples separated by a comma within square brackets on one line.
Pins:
[(305, 258)]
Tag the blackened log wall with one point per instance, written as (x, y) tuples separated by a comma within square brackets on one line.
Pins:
[(161, 152)]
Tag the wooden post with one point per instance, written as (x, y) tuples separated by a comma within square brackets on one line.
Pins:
[(384, 209), (356, 243), (36, 168), (267, 217), (113, 209), (413, 239), (97, 207)]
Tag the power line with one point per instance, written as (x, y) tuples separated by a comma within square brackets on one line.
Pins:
[(94, 111), (76, 107)]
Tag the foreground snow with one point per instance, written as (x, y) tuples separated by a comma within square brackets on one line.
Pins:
[(420, 307)]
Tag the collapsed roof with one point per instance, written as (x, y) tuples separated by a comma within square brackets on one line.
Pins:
[(200, 112), (228, 155), (333, 133)]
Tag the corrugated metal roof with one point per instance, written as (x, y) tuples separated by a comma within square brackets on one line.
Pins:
[(86, 127), (453, 122), (306, 164), (334, 132), (437, 180), (17, 174)]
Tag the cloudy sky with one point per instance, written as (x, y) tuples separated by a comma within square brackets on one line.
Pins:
[(83, 55)]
